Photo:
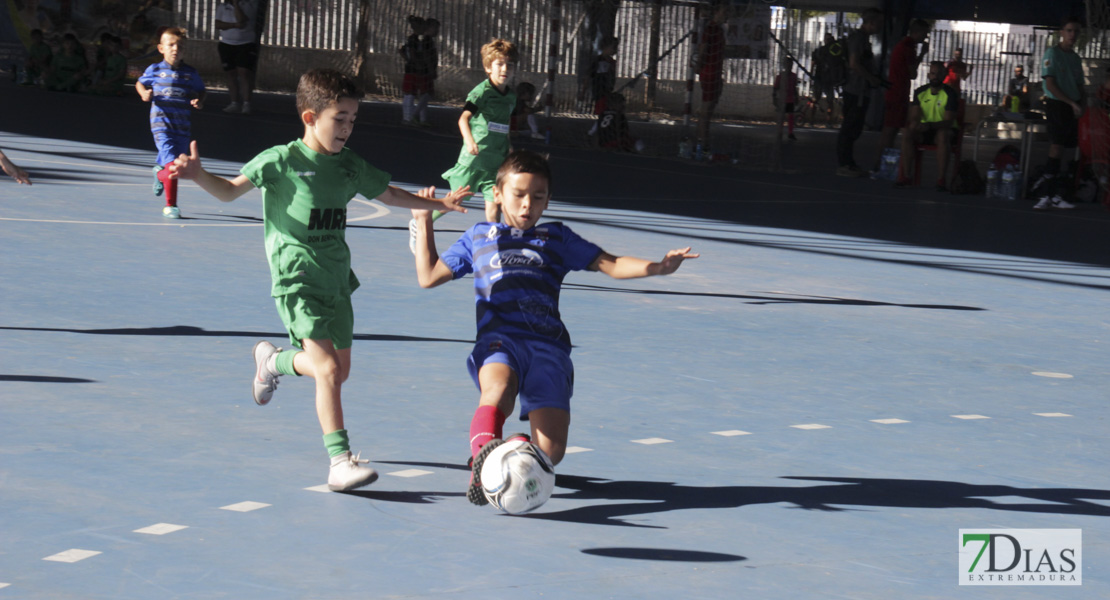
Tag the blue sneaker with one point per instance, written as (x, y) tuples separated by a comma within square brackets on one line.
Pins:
[(171, 212), (158, 185)]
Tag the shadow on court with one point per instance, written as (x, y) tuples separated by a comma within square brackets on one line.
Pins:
[(190, 331)]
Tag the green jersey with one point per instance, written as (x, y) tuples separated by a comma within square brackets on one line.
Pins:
[(304, 207), (1067, 68), (489, 125)]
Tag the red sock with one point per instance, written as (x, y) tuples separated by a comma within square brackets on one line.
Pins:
[(169, 186), (485, 426)]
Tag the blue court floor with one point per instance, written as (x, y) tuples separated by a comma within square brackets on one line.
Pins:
[(846, 378)]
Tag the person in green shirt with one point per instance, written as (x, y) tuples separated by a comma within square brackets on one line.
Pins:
[(484, 125), (1064, 99), (114, 68), (69, 68), (306, 186), (39, 57), (931, 120)]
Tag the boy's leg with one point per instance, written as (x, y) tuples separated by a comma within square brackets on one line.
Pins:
[(329, 367), (422, 107), (170, 189), (498, 383), (549, 431)]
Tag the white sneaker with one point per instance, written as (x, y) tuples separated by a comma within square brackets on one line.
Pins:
[(412, 236), (171, 212), (246, 108), (265, 381), (1059, 202), (347, 473), (233, 109), (1043, 203)]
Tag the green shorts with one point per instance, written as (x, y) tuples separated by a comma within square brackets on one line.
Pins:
[(308, 317), (480, 182)]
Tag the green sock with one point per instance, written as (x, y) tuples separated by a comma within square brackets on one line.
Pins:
[(337, 442), (283, 362)]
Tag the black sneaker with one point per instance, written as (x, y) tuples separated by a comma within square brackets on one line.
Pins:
[(474, 491)]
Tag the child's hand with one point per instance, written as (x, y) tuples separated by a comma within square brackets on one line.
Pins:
[(453, 200), (673, 260), (424, 213), (186, 167), (472, 148), (197, 103), (146, 94)]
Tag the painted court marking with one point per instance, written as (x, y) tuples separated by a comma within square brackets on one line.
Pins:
[(731, 433), (319, 488), (889, 421), (410, 473), (1052, 375), (652, 441), (244, 506), (969, 417), (161, 529), (576, 450), (72, 555), (1052, 414), (812, 426)]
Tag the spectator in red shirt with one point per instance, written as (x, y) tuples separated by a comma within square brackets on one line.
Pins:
[(709, 65), (958, 70), (904, 60)]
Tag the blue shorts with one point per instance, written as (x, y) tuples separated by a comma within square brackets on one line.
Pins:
[(544, 372)]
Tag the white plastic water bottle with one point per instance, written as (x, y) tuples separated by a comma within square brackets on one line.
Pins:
[(992, 182), (1016, 191), (1007, 183)]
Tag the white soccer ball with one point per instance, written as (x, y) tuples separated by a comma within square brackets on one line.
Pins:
[(517, 477)]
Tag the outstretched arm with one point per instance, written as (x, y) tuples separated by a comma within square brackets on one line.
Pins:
[(629, 267), (13, 170), (224, 190), (425, 199), (430, 270)]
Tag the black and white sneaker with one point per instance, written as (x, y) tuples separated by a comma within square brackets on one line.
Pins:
[(474, 491)]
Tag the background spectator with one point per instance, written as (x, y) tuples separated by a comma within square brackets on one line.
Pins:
[(238, 48)]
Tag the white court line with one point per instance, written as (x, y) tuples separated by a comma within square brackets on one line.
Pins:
[(969, 417), (72, 555), (410, 473), (730, 433), (652, 441), (161, 529), (576, 450), (1051, 375), (1056, 414), (379, 211), (244, 506), (323, 488), (812, 426), (889, 421)]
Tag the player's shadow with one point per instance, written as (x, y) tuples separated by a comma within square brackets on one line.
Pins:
[(44, 379), (188, 330), (770, 298), (633, 498)]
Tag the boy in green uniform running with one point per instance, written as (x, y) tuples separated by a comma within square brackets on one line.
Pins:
[(484, 125), (306, 186)]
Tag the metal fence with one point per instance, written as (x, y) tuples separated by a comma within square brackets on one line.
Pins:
[(467, 24)]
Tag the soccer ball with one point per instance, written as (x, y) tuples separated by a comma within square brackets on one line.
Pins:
[(517, 477)]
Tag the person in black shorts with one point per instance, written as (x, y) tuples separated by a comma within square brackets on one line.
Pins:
[(238, 49)]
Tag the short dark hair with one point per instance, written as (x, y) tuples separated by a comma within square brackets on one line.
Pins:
[(920, 26), (937, 63), (524, 161), (320, 88), (1068, 20)]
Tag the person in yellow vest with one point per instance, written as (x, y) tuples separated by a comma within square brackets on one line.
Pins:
[(931, 120)]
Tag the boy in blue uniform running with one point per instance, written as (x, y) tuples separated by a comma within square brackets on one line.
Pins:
[(172, 87), (306, 185), (522, 345)]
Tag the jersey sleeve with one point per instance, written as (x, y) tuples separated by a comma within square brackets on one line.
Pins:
[(578, 254), (370, 181), (460, 256), (147, 78), (1048, 63), (262, 168)]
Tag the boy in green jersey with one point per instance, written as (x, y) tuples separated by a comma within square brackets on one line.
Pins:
[(306, 186), (484, 125)]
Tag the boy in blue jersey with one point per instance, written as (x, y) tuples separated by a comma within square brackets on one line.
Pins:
[(522, 345), (306, 185), (172, 87)]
